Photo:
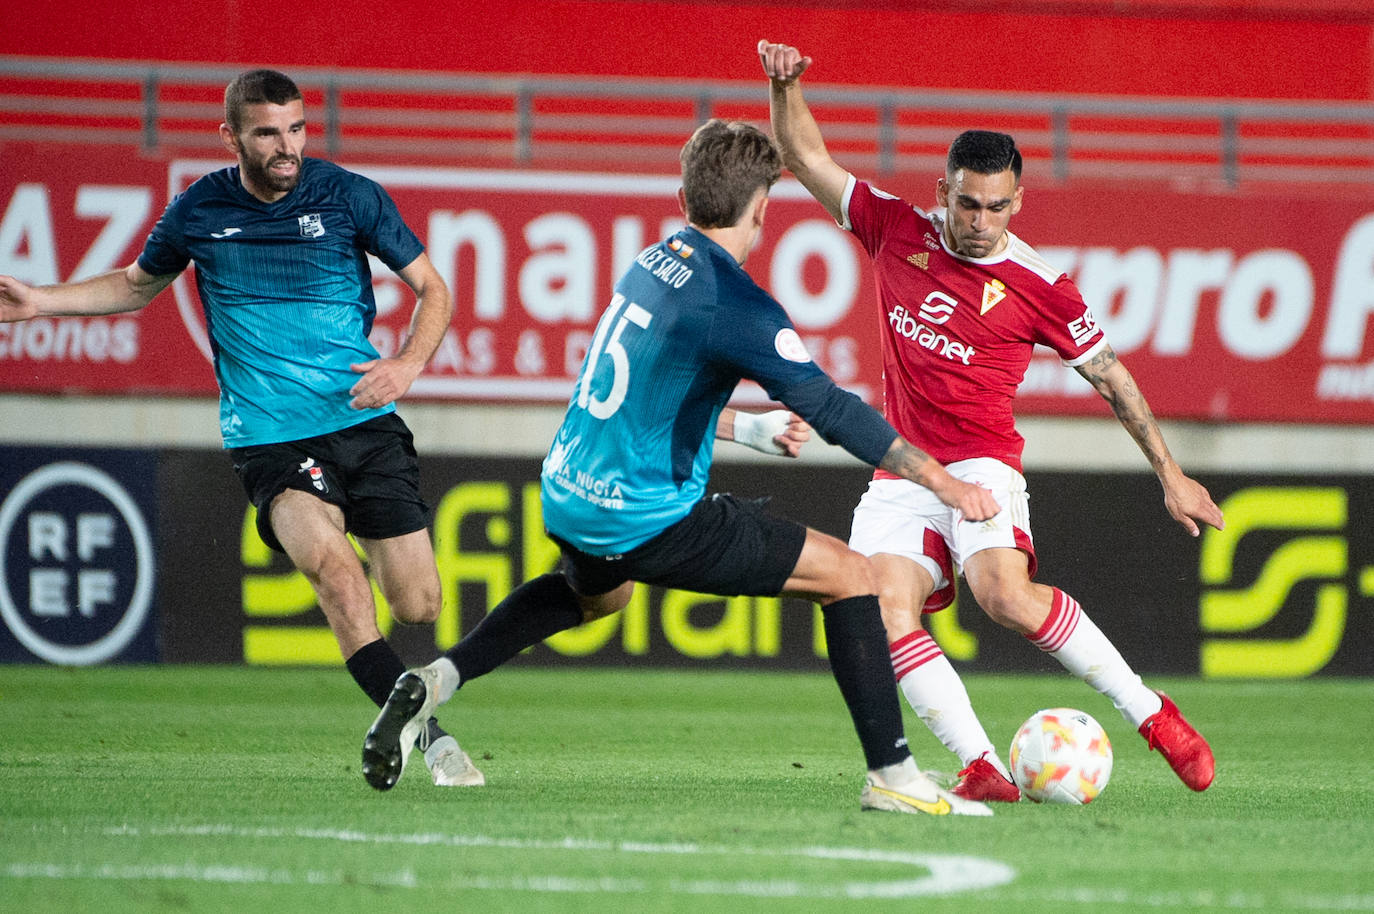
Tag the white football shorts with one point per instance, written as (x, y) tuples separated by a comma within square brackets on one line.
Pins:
[(898, 517)]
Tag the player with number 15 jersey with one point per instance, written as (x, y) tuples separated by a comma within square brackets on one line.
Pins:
[(685, 325)]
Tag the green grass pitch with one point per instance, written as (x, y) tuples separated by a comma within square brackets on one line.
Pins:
[(234, 789)]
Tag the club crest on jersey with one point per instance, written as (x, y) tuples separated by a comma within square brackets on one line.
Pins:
[(921, 260), (312, 226), (994, 290)]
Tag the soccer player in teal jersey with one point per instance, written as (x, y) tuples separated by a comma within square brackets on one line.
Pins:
[(623, 485), (307, 405)]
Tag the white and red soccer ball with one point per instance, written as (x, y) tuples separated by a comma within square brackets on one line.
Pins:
[(1061, 755)]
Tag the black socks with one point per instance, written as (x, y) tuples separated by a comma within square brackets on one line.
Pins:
[(532, 612), (375, 668), (862, 666)]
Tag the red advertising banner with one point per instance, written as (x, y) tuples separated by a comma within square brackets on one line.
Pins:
[(1225, 307)]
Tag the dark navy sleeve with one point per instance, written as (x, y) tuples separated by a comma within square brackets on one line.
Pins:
[(753, 334), (165, 252), (841, 418), (380, 227)]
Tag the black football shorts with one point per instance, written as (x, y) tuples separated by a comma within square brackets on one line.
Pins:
[(370, 471), (725, 546)]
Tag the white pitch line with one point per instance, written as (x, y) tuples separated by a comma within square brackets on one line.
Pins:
[(189, 872), (942, 874), (938, 874), (1199, 899)]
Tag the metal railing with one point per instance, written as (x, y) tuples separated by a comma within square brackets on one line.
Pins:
[(583, 122)]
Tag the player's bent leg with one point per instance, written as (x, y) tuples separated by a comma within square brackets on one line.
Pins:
[(312, 534), (862, 668), (1000, 580), (405, 570), (1070, 636), (532, 612), (828, 570), (930, 683)]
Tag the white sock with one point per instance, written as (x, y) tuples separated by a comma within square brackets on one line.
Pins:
[(900, 774), (448, 678), (937, 695), (1070, 637)]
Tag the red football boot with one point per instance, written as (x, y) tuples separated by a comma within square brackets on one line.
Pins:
[(982, 781), (1182, 747)]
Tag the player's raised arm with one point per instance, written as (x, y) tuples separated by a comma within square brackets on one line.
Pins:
[(1186, 500), (114, 292), (795, 130)]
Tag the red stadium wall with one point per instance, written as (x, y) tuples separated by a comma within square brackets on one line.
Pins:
[(1220, 48)]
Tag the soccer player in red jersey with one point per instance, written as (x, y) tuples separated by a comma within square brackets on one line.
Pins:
[(965, 302)]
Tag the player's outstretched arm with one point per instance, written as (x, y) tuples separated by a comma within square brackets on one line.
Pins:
[(774, 432), (910, 462), (114, 292), (386, 380), (1186, 500), (797, 134)]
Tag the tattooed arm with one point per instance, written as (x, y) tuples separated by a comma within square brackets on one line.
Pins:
[(1186, 500), (910, 462)]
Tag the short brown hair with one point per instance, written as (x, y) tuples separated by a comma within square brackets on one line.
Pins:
[(723, 165), (256, 87)]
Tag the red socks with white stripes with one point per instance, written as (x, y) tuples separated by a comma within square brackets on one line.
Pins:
[(1070, 637), (937, 695)]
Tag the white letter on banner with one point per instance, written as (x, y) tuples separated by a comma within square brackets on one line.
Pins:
[(28, 223), (814, 238), (448, 232), (1191, 272), (127, 210), (1352, 293), (1135, 276), (1242, 328), (556, 283)]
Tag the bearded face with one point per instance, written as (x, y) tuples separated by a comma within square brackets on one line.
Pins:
[(268, 145)]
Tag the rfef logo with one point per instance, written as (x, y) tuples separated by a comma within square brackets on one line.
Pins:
[(77, 565)]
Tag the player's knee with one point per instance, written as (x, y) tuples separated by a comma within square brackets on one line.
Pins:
[(1009, 607), (893, 596), (855, 577), (606, 604), (419, 603)]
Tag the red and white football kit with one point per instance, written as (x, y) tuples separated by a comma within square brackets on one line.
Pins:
[(958, 334)]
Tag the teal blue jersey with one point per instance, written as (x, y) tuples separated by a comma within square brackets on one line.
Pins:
[(287, 293), (686, 323)]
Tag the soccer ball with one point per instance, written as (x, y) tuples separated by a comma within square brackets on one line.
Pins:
[(1061, 755)]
